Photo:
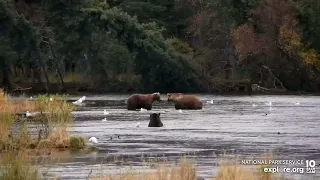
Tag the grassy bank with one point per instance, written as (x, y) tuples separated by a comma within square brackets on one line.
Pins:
[(51, 115)]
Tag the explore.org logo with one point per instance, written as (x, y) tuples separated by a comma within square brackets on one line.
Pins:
[(301, 166)]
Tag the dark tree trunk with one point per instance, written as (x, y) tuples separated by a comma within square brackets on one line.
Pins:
[(6, 80), (67, 65), (37, 74), (249, 89), (57, 66), (227, 74), (73, 67), (44, 69)]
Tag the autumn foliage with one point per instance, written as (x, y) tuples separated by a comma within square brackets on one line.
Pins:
[(272, 36), (190, 45), (248, 42)]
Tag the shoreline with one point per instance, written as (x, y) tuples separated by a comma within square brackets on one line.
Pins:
[(288, 93), (84, 88), (75, 89)]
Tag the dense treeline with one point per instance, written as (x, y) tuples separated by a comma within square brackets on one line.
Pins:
[(159, 45)]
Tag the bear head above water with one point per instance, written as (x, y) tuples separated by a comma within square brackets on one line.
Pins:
[(155, 120)]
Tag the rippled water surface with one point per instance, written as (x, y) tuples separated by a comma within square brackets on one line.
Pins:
[(230, 123)]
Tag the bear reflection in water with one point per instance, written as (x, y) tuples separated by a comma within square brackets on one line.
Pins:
[(155, 120)]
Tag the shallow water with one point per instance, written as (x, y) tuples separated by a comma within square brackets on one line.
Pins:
[(231, 123)]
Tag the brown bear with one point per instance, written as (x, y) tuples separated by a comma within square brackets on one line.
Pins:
[(138, 101), (184, 101), (155, 120)]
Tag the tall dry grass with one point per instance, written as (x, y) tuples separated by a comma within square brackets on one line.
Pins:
[(237, 172), (16, 166), (231, 169), (24, 105), (184, 170), (10, 141), (15, 161), (1, 92), (16, 106), (54, 109), (53, 117), (7, 112), (55, 113)]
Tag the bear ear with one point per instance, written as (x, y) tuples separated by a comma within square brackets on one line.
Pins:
[(159, 114)]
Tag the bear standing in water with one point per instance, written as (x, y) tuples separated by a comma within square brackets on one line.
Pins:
[(138, 101), (181, 101), (155, 120)]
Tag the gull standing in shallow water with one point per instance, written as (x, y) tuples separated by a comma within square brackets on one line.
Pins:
[(210, 102), (105, 112), (28, 114), (94, 140), (269, 103), (79, 101), (143, 110)]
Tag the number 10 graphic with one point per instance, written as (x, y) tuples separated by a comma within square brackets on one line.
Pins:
[(310, 167), (310, 163)]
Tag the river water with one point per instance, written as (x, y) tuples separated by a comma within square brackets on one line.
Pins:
[(230, 123)]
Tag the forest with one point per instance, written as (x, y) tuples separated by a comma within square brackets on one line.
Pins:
[(159, 45)]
